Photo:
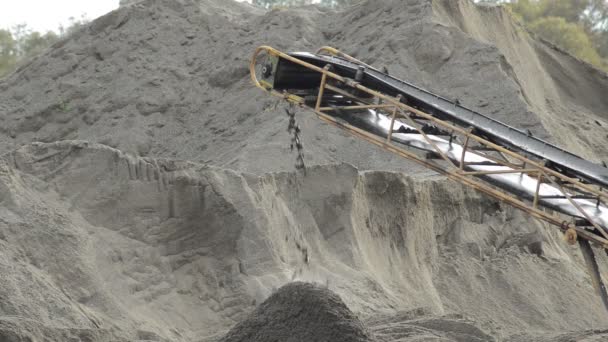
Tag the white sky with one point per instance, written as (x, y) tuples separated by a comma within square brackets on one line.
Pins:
[(45, 15)]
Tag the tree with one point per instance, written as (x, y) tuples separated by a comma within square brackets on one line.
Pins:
[(596, 20), (569, 36), (578, 26), (34, 43), (74, 24), (600, 41), (8, 52), (596, 15), (21, 43), (571, 11)]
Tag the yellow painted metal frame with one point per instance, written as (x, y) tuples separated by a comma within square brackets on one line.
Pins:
[(398, 110)]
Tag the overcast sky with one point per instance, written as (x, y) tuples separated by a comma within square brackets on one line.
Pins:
[(44, 15)]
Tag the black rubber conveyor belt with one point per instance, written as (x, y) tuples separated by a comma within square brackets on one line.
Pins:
[(292, 76)]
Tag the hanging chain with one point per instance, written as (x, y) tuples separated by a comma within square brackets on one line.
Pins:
[(294, 129)]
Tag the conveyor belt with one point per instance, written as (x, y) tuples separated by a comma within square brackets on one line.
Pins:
[(514, 167), (293, 76)]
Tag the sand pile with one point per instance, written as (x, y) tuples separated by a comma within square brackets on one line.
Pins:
[(168, 78), (300, 312), (126, 248), (121, 241)]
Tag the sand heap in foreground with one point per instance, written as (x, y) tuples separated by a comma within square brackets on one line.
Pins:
[(300, 312)]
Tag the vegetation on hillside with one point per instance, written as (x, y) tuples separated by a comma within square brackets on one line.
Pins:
[(20, 43), (577, 26)]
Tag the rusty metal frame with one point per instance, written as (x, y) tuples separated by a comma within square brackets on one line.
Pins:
[(453, 170)]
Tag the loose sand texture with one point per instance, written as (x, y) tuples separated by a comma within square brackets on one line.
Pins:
[(148, 193), (97, 241), (300, 312), (168, 78)]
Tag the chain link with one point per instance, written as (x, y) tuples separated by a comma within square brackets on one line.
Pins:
[(294, 129)]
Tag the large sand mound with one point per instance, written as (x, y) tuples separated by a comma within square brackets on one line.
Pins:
[(168, 78), (98, 241), (300, 312), (122, 242)]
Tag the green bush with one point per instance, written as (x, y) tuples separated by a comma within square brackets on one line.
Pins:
[(577, 26), (569, 36)]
